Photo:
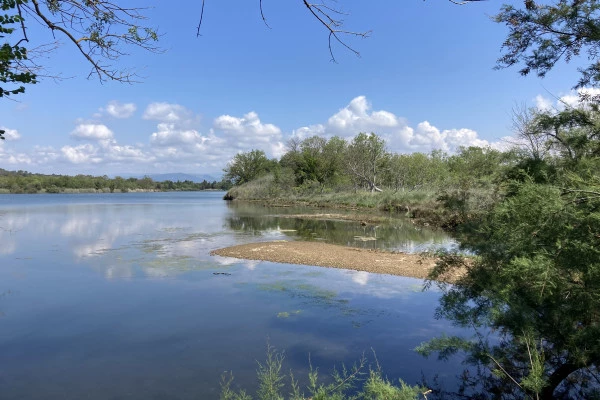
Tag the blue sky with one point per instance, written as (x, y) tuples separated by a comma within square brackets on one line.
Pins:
[(425, 80)]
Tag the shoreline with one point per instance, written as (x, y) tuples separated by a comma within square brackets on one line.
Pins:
[(422, 215), (334, 256)]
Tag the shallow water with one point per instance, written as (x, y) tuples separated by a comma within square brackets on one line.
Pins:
[(115, 296)]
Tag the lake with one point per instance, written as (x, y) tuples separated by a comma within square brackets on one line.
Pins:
[(115, 296)]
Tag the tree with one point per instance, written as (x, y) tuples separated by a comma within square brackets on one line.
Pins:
[(535, 280), (102, 31), (541, 34), (365, 158), (315, 159), (12, 57), (414, 171), (247, 166)]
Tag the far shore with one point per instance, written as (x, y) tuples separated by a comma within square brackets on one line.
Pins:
[(335, 256)]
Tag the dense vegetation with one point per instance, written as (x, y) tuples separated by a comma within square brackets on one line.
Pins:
[(536, 279), (531, 217), (26, 182), (443, 188)]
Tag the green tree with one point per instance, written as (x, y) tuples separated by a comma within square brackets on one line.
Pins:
[(247, 166), (100, 30), (316, 159), (543, 33), (365, 158), (535, 280), (414, 171), (13, 56)]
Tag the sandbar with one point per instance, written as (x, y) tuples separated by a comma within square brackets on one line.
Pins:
[(333, 256)]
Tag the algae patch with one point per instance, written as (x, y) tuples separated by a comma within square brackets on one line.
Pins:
[(286, 314)]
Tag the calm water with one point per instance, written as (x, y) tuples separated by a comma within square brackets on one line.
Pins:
[(115, 297)]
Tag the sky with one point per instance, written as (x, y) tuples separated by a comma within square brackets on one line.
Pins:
[(425, 80)]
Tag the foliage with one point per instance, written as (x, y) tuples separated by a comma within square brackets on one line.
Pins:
[(408, 172), (541, 34), (25, 182), (13, 57), (344, 384), (536, 279), (247, 166), (365, 159), (101, 31), (316, 159)]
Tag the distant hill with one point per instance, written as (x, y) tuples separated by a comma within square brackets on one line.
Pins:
[(175, 176)]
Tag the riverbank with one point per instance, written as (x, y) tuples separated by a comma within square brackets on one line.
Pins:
[(422, 206), (335, 256), (426, 213)]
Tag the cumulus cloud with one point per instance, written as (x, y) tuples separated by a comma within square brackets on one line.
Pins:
[(358, 116), (170, 134), (10, 134), (178, 142), (542, 103), (248, 124), (570, 99), (166, 112), (119, 110), (92, 132), (427, 137), (85, 153), (248, 132)]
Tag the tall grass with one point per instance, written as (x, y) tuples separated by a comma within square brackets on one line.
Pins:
[(362, 381), (440, 206)]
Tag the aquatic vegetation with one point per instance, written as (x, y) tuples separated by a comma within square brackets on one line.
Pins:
[(286, 314)]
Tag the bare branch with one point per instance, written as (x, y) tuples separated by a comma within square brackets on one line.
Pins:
[(99, 30), (322, 14), (262, 14), (201, 17)]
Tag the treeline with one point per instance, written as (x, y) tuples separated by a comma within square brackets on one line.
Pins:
[(317, 164), (26, 182), (341, 172)]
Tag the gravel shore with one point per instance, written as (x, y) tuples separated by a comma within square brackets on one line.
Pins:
[(333, 256)]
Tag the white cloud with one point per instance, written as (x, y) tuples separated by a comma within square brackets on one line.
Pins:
[(169, 134), (115, 152), (308, 131), (179, 144), (542, 103), (357, 117), (10, 134), (92, 132), (248, 132), (16, 159), (249, 124), (85, 153), (571, 99), (166, 112), (119, 110), (456, 138)]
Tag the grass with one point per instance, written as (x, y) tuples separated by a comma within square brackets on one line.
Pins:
[(443, 207), (361, 381)]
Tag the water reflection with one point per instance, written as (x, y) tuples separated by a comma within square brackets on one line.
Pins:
[(120, 299), (394, 234)]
